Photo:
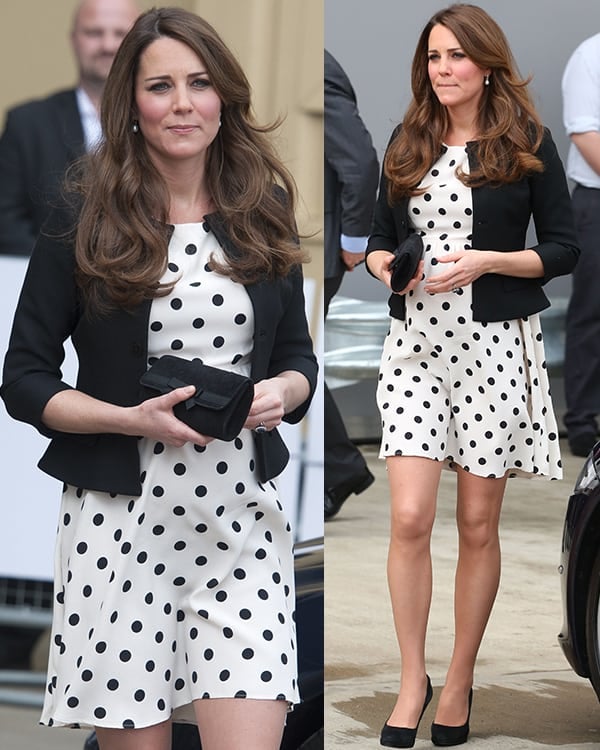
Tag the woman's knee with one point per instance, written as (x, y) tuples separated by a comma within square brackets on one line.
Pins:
[(411, 523), (478, 532)]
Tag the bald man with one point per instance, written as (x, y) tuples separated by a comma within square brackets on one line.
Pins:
[(42, 137)]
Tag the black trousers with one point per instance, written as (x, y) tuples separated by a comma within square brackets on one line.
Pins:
[(343, 460), (582, 347)]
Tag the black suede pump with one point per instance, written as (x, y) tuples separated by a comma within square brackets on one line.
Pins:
[(444, 736), (404, 736)]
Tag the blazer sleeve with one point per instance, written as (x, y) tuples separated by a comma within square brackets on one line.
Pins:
[(553, 214), (45, 316), (292, 346)]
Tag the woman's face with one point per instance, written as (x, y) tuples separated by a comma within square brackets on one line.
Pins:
[(456, 80), (178, 109)]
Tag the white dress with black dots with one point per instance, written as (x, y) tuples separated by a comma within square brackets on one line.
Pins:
[(452, 389), (186, 592)]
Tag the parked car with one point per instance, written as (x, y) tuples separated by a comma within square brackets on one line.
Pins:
[(304, 726), (580, 574)]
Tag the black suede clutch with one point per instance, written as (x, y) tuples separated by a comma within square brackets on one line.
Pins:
[(406, 260), (222, 400)]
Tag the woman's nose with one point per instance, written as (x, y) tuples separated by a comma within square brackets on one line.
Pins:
[(182, 99), (444, 65)]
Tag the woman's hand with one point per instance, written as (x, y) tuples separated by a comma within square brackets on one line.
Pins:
[(275, 397), (155, 419), (268, 405), (379, 262), (458, 270)]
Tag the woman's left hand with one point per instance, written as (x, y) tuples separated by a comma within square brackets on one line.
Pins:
[(274, 397), (268, 406), (465, 267)]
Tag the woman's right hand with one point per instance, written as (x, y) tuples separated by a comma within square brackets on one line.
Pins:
[(379, 262), (156, 419), (72, 411)]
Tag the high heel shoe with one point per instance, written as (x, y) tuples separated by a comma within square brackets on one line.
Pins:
[(445, 736), (404, 736)]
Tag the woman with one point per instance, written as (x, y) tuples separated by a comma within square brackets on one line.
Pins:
[(174, 569), (463, 382)]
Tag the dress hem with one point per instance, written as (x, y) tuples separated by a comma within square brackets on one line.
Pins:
[(180, 714), (451, 464)]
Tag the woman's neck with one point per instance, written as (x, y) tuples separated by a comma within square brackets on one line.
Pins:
[(189, 195), (185, 209), (462, 128), (189, 198)]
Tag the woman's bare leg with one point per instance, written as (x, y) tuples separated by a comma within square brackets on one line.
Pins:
[(476, 584), (240, 723), (157, 737), (413, 487)]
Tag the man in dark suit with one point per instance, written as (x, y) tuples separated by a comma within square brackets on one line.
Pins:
[(351, 177), (42, 137)]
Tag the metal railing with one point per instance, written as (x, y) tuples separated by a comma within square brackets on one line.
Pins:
[(28, 604)]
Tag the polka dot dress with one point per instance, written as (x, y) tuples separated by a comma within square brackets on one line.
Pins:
[(452, 389), (187, 591)]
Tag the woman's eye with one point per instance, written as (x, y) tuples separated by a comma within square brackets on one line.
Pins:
[(201, 83), (433, 56), (459, 55), (159, 86)]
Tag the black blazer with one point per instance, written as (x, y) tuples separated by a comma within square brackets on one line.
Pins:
[(112, 354), (40, 139), (351, 167), (500, 220)]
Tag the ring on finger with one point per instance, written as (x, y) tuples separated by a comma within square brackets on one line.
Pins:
[(260, 427)]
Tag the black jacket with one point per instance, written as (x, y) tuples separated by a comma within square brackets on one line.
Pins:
[(501, 217), (40, 139), (112, 354)]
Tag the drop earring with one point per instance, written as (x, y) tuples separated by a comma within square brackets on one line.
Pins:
[(486, 79), (135, 127)]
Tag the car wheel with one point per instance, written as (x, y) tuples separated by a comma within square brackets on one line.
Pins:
[(314, 742), (592, 626)]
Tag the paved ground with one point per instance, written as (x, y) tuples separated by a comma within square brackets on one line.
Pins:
[(526, 696)]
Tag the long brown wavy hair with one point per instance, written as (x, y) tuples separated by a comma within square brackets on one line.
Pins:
[(509, 128), (122, 234)]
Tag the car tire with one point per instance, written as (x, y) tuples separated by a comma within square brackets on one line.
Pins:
[(314, 742), (592, 626)]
